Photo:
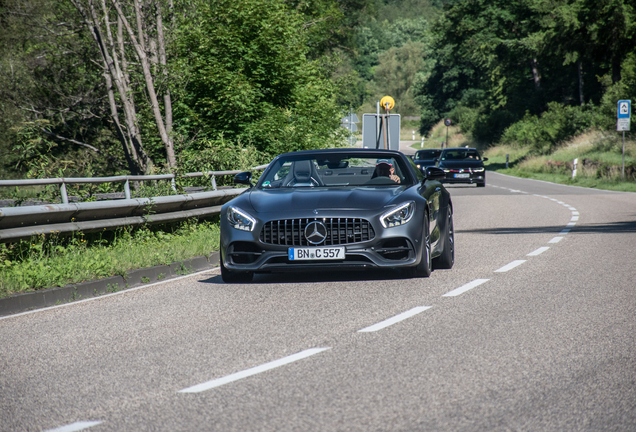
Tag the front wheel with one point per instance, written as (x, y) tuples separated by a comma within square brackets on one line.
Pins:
[(447, 258), (424, 268), (229, 276)]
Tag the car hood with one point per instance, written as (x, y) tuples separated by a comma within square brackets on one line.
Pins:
[(360, 198), (461, 164)]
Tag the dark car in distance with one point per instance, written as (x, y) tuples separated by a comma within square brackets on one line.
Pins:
[(463, 165), (325, 210), (426, 158)]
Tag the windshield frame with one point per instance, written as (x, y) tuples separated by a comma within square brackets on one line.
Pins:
[(277, 163)]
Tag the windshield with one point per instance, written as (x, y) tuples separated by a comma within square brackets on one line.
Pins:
[(461, 155), (427, 154), (325, 170)]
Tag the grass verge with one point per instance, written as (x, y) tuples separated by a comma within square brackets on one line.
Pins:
[(599, 160), (49, 261)]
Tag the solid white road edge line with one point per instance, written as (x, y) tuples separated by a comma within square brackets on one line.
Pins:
[(395, 319), (462, 289), (252, 371), (77, 426), (556, 240), (538, 251), (510, 266), (124, 291)]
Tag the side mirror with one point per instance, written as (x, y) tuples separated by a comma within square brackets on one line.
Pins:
[(244, 178), (484, 159), (434, 173)]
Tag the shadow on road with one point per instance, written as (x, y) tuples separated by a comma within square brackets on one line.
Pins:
[(604, 228), (319, 276)]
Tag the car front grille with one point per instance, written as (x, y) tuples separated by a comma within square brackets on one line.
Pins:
[(291, 232)]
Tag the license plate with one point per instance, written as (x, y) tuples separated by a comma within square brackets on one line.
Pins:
[(316, 253), (462, 175)]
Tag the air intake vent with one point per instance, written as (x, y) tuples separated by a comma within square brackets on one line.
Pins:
[(340, 231)]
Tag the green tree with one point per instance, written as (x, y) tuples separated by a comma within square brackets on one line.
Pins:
[(498, 60), (396, 73), (249, 79), (49, 86)]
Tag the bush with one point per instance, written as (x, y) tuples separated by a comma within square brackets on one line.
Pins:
[(553, 127)]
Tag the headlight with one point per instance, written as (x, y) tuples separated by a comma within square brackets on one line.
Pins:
[(240, 220), (418, 165), (446, 170), (478, 169), (398, 216)]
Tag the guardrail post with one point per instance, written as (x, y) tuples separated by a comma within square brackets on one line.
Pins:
[(574, 167), (174, 185), (63, 193), (127, 188), (213, 182), (507, 160)]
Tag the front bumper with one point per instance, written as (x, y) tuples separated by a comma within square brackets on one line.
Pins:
[(394, 247), (473, 177)]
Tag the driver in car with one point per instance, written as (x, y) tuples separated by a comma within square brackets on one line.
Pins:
[(385, 169)]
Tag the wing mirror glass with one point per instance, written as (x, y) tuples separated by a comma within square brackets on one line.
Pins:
[(434, 173), (244, 178)]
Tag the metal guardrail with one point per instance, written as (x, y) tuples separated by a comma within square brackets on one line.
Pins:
[(24, 222), (63, 181)]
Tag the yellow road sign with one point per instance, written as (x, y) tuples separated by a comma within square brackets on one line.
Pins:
[(387, 103)]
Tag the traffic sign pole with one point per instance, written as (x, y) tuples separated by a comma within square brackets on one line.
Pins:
[(623, 115), (447, 122)]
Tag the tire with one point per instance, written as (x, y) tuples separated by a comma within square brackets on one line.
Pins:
[(229, 276), (447, 258), (425, 267), (481, 184)]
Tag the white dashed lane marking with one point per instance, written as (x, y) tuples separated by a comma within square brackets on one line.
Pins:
[(395, 319), (462, 289), (510, 266), (77, 426), (556, 240), (538, 251), (252, 371)]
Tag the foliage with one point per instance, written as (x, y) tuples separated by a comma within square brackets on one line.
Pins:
[(250, 80), (49, 86), (497, 62), (392, 55), (544, 133), (47, 261)]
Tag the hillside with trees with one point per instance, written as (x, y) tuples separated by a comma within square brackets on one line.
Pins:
[(97, 87)]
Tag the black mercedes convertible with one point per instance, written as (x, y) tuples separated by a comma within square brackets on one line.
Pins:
[(338, 209)]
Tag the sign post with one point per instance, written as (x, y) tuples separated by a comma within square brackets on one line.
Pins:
[(447, 122), (381, 130), (623, 114)]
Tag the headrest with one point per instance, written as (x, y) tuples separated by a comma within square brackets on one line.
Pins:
[(302, 171)]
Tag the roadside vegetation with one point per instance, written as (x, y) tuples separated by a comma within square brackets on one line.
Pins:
[(95, 89), (50, 261), (599, 162)]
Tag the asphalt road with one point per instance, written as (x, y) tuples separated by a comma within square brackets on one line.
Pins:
[(534, 329)]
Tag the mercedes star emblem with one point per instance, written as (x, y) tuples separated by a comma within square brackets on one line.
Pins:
[(315, 232)]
